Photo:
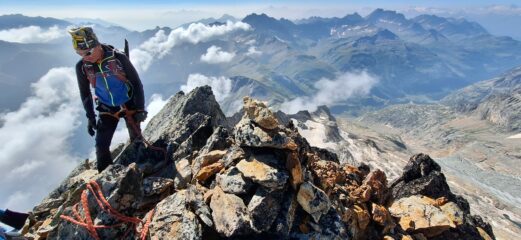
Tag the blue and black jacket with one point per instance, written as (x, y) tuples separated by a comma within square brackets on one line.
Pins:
[(115, 82)]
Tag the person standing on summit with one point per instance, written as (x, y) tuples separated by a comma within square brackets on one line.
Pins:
[(117, 87)]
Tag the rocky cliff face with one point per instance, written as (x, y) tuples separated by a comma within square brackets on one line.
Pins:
[(260, 179)]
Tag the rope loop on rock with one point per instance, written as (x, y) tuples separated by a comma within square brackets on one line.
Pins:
[(102, 202)]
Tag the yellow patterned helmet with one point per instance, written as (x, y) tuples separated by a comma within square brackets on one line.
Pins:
[(83, 38)]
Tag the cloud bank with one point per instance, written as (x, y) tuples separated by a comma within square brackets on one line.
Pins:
[(161, 44), (221, 86), (35, 140), (331, 92), (32, 34), (214, 55)]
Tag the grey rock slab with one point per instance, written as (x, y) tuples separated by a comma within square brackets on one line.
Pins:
[(250, 135), (313, 200), (156, 185), (229, 213), (183, 174), (257, 169), (172, 220), (286, 216), (232, 181), (264, 208)]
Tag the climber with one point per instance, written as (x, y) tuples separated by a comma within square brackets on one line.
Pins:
[(12, 218), (117, 88)]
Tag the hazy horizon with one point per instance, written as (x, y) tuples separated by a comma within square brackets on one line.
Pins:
[(498, 17)]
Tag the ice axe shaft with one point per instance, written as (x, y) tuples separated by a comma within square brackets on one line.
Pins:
[(127, 53)]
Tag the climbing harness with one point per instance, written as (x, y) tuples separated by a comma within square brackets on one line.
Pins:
[(87, 222), (128, 115)]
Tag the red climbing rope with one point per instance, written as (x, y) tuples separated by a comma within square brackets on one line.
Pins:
[(87, 222)]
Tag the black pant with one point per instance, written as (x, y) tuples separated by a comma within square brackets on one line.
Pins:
[(13, 219), (107, 125)]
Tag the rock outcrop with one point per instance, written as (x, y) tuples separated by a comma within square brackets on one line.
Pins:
[(260, 179)]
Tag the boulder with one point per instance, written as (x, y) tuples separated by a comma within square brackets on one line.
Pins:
[(419, 214), (421, 176), (208, 171), (156, 185), (172, 220), (259, 113), (233, 156), (197, 204), (313, 200), (377, 181), (362, 216), (295, 169), (262, 170), (453, 212), (232, 181), (286, 216), (381, 216), (264, 208), (207, 159), (248, 134), (183, 174), (229, 213)]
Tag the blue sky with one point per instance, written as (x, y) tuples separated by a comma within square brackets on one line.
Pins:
[(498, 16)]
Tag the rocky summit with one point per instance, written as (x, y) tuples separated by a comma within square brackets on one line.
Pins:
[(258, 179)]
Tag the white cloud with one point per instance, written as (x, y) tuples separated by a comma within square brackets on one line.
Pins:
[(463, 11), (214, 55), (34, 154), (503, 9), (156, 104), (331, 92), (161, 44), (221, 86), (32, 34), (253, 51)]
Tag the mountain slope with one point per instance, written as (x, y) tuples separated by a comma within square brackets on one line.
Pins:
[(470, 136), (497, 100)]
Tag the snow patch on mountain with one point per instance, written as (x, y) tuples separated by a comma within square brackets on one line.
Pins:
[(315, 133)]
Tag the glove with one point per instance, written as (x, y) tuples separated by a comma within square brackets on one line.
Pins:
[(91, 126), (140, 116)]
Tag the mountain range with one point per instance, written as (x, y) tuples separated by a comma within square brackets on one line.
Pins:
[(418, 59)]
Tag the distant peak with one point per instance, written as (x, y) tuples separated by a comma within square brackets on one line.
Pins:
[(255, 15), (355, 17), (323, 110), (386, 14), (227, 16)]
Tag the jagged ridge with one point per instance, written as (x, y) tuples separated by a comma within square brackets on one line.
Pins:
[(258, 179)]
